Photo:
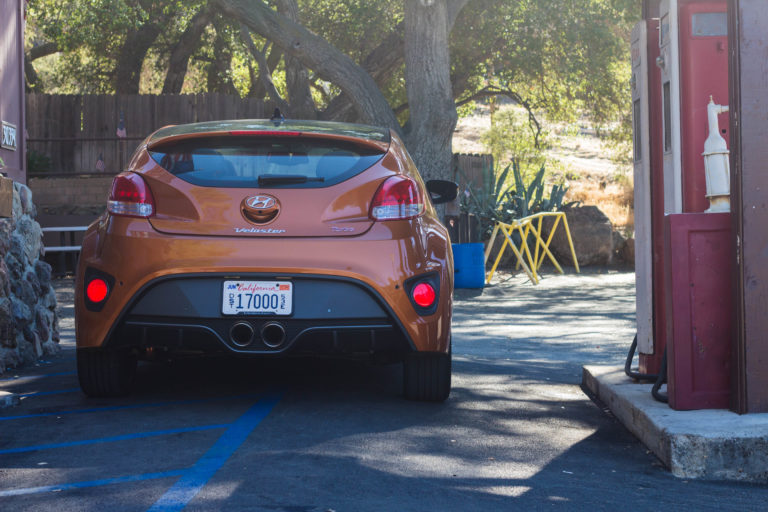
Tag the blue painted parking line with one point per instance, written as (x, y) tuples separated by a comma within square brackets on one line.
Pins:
[(45, 393), (92, 483), (43, 376), (112, 439), (119, 408), (193, 480)]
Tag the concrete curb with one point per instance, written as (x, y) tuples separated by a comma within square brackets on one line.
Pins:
[(8, 399), (708, 444)]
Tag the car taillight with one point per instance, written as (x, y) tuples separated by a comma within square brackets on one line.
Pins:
[(130, 196), (97, 290), (423, 295), (397, 198)]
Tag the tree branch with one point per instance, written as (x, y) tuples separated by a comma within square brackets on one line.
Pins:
[(380, 64), (182, 51), (492, 90), (265, 74), (454, 8), (296, 75), (315, 53), (41, 50)]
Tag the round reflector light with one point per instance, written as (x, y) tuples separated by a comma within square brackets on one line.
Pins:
[(97, 290), (423, 295)]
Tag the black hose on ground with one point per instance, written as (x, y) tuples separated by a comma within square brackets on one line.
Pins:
[(650, 377), (661, 397)]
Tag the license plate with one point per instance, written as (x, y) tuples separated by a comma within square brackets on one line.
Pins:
[(257, 298)]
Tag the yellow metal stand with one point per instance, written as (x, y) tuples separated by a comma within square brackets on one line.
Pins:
[(526, 226)]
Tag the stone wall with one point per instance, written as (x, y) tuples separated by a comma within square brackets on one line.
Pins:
[(28, 322)]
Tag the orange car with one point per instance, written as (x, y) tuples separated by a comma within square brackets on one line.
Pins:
[(267, 238)]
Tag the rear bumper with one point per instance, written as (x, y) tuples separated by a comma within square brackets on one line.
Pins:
[(331, 315), (361, 279)]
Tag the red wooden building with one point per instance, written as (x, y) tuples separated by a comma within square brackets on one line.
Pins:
[(12, 143)]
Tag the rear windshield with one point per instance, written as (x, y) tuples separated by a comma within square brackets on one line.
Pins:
[(248, 162)]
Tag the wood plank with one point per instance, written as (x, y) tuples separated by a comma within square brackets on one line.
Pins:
[(748, 101)]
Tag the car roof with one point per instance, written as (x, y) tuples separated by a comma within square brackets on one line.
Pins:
[(358, 131)]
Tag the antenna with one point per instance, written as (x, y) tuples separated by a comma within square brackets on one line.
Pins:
[(277, 117)]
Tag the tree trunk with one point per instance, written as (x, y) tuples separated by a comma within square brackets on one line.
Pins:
[(131, 58), (265, 71), (258, 89), (428, 84), (188, 42), (302, 106)]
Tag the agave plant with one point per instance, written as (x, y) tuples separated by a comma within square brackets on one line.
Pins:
[(497, 202)]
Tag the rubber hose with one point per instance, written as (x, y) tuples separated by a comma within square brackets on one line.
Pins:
[(628, 366)]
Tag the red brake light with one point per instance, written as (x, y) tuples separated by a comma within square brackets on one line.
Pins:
[(265, 133), (423, 295), (97, 290), (397, 198), (130, 196)]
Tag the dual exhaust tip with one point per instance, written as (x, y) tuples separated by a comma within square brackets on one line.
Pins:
[(272, 334)]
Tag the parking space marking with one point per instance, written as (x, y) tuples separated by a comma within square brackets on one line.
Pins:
[(120, 408), (92, 483), (193, 480), (44, 393), (43, 376), (112, 439)]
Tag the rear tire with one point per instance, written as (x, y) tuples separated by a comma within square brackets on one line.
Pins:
[(105, 373), (427, 376)]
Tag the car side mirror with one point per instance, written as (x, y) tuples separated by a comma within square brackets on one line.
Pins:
[(442, 191)]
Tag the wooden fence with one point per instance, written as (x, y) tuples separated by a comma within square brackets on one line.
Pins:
[(470, 172), (74, 133)]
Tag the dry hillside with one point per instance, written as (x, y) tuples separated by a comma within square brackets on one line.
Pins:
[(581, 160)]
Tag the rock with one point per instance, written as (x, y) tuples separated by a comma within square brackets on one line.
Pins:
[(628, 252), (5, 281), (51, 348), (28, 321), (14, 265), (6, 228), (7, 326), (49, 299), (21, 313), (43, 322), (591, 232), (17, 209), (34, 282), (9, 358), (43, 272), (37, 344), (24, 292), (25, 350), (25, 200), (29, 333), (32, 236)]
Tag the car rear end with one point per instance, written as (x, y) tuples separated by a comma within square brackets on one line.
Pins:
[(253, 239)]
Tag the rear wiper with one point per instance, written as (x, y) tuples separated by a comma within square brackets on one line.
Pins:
[(286, 179)]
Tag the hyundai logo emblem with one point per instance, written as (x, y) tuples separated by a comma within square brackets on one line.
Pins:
[(260, 202)]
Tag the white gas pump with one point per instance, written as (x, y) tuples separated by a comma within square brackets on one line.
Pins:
[(642, 186), (717, 168), (668, 62)]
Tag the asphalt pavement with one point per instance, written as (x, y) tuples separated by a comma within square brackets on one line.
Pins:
[(518, 432)]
